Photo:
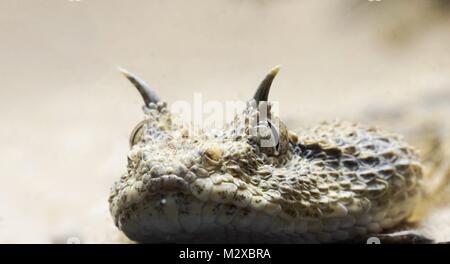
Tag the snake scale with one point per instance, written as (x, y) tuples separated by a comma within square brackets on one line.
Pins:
[(332, 182)]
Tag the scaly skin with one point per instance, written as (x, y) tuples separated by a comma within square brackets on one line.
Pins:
[(425, 122), (333, 182)]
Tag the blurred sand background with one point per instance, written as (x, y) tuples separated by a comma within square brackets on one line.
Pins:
[(66, 112)]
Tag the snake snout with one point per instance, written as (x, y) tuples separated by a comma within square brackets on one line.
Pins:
[(166, 183)]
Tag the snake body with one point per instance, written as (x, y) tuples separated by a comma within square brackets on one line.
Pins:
[(332, 182)]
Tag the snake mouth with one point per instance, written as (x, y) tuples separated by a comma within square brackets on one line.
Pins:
[(168, 209), (176, 217)]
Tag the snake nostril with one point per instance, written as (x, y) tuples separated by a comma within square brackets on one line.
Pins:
[(213, 155)]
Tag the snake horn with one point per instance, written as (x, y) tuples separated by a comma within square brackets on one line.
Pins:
[(148, 94), (262, 93)]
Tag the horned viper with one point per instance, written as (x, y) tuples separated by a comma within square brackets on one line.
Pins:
[(256, 180)]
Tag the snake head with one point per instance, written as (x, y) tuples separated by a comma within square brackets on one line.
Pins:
[(254, 180)]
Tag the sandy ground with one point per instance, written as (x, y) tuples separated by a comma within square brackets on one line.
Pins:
[(66, 113)]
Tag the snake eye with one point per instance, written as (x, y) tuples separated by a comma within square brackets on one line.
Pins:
[(275, 136), (270, 138), (269, 134), (136, 134)]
